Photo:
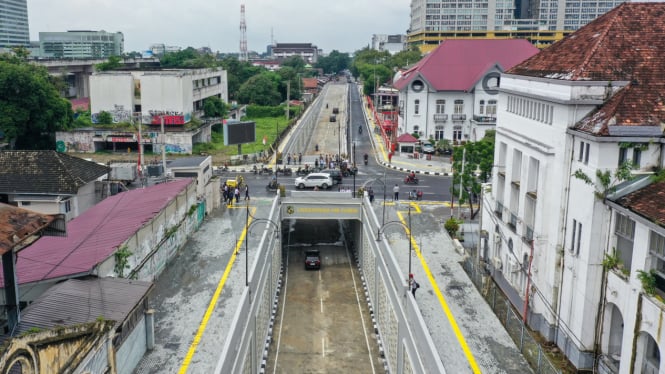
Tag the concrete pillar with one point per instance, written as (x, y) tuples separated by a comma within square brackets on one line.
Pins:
[(150, 329)]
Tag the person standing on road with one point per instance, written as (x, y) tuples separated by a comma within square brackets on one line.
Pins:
[(414, 286), (236, 193), (396, 192), (371, 195), (246, 192), (300, 158)]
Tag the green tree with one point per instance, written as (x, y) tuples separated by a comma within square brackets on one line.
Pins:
[(238, 73), (478, 158), (334, 62), (260, 89), (406, 58), (31, 109), (295, 62), (606, 182), (179, 59), (289, 74), (113, 62), (214, 107)]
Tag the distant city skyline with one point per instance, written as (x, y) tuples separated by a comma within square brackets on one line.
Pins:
[(343, 25)]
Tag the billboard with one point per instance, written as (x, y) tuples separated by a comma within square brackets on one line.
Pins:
[(236, 132)]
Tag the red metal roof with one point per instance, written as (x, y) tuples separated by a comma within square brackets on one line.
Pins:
[(457, 64), (94, 235), (407, 138)]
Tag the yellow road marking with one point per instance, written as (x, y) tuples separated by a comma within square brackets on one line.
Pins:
[(442, 300), (213, 301)]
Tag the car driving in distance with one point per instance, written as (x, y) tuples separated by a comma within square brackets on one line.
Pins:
[(320, 180), (312, 259)]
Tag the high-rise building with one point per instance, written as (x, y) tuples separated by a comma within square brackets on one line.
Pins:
[(14, 23), (81, 44), (540, 21)]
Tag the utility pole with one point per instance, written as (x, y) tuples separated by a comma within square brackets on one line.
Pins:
[(461, 178), (163, 148)]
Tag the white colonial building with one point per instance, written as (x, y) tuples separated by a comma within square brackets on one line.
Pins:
[(175, 95), (452, 92), (566, 117)]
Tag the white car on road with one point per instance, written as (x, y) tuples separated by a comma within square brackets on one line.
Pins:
[(320, 180)]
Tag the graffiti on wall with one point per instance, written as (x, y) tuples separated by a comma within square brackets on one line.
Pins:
[(170, 117), (74, 142), (118, 114)]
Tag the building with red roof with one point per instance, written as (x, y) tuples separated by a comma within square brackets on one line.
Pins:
[(577, 236), (452, 92), (148, 225)]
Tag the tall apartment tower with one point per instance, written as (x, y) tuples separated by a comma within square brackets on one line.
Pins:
[(14, 23), (540, 21)]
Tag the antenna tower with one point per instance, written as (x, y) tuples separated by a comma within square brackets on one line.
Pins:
[(243, 35)]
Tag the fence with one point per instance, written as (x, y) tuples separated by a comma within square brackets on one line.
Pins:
[(528, 345)]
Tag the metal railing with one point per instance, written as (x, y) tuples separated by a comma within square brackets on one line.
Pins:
[(484, 119), (459, 117), (523, 338), (440, 117)]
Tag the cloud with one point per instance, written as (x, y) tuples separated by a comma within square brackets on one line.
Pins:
[(344, 25)]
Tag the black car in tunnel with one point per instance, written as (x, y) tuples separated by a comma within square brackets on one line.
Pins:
[(312, 259)]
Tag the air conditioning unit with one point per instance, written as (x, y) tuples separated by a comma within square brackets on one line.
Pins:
[(496, 263)]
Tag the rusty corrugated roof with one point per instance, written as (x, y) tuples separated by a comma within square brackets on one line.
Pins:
[(80, 301), (17, 225), (626, 44)]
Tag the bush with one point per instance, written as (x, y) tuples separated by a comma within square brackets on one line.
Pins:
[(260, 111), (451, 225)]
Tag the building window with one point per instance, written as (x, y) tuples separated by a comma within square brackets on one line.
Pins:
[(459, 106), (657, 251), (491, 108), (583, 154), (576, 237), (457, 133), (623, 155), (68, 206), (416, 107), (624, 229), (481, 107), (438, 133), (440, 106), (637, 157)]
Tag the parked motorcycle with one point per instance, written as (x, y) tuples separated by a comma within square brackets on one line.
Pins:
[(265, 170), (272, 186), (302, 172), (416, 195)]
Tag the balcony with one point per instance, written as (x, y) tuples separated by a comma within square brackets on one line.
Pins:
[(459, 117), (440, 117), (485, 120)]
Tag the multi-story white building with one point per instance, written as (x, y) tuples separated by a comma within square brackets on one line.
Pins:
[(541, 21), (81, 44), (307, 51), (391, 43), (175, 95), (566, 116), (14, 29), (452, 92)]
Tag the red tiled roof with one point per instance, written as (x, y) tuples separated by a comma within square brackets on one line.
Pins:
[(407, 138), (94, 235), (457, 64), (310, 83), (649, 202), (625, 44)]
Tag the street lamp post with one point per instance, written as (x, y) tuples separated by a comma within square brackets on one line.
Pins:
[(407, 230), (352, 169)]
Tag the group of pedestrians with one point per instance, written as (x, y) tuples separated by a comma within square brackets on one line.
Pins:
[(230, 193), (297, 159)]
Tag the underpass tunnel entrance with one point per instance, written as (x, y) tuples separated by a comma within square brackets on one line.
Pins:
[(335, 239)]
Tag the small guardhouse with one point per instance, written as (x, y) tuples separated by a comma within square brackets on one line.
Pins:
[(406, 144)]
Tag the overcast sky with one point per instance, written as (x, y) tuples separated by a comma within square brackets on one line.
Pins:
[(343, 25)]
